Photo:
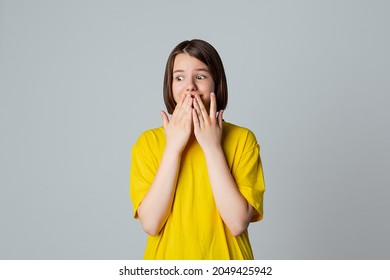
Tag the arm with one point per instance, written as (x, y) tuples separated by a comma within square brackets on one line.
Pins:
[(235, 211), (157, 203)]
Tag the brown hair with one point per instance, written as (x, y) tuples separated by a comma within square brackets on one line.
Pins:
[(208, 55)]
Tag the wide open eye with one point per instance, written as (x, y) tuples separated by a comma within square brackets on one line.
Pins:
[(179, 78), (200, 77)]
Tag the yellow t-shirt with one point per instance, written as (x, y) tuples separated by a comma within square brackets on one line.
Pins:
[(194, 229)]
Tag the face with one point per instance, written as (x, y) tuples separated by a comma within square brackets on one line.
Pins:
[(190, 75)]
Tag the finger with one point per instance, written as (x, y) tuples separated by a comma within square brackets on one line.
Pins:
[(213, 105), (164, 118), (203, 110), (186, 109), (190, 102), (181, 108), (188, 115), (179, 105), (198, 113), (220, 118), (183, 100), (195, 120)]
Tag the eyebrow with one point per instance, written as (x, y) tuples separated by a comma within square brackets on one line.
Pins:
[(199, 69)]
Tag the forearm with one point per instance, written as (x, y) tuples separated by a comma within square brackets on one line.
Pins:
[(235, 211), (156, 205)]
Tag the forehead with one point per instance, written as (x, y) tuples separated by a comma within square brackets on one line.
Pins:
[(184, 61)]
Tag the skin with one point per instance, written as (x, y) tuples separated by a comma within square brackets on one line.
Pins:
[(194, 116)]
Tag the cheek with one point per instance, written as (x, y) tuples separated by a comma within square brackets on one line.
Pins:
[(176, 97), (212, 87), (207, 87), (176, 93)]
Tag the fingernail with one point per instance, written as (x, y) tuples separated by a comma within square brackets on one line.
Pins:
[(213, 93)]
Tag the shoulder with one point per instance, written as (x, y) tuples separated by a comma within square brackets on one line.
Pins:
[(238, 134), (236, 129), (153, 133), (150, 137)]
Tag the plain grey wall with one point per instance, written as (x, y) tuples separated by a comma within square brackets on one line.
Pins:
[(80, 80)]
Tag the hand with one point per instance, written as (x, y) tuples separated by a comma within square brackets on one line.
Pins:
[(178, 129), (207, 127)]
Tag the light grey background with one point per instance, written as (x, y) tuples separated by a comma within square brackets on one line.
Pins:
[(80, 80)]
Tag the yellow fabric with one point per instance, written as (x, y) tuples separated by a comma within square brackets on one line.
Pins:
[(194, 229)]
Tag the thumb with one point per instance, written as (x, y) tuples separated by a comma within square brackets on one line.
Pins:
[(164, 118)]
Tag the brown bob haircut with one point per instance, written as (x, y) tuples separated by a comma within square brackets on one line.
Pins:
[(208, 55)]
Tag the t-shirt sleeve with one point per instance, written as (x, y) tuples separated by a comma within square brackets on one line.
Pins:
[(249, 176), (143, 169)]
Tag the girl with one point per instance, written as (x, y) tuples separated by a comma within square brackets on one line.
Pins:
[(196, 182)]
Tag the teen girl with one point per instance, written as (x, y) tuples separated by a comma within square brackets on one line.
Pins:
[(196, 182)]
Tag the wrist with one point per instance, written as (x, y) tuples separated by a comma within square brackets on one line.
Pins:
[(173, 151), (212, 150)]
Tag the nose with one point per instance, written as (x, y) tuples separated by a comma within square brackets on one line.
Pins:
[(191, 86)]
